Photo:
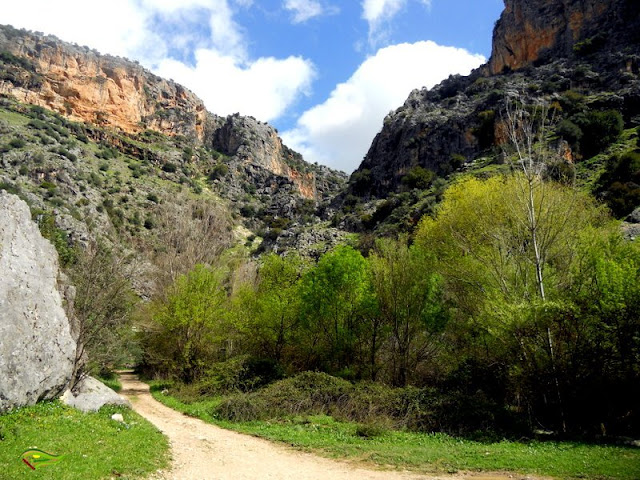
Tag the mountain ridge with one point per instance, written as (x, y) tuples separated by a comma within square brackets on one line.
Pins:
[(84, 85), (579, 55)]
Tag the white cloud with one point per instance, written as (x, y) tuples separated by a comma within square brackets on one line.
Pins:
[(223, 75), (303, 10), (374, 11), (379, 12), (263, 88), (114, 28), (339, 131)]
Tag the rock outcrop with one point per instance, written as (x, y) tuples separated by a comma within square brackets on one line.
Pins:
[(37, 350), (256, 144), (534, 31), (85, 86), (90, 395)]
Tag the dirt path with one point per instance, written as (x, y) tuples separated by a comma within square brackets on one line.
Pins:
[(202, 451)]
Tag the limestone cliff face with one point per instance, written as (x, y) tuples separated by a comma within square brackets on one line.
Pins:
[(254, 142), (534, 30), (591, 46), (85, 86), (114, 92)]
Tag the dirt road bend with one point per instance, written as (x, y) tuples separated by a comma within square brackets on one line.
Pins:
[(201, 451)]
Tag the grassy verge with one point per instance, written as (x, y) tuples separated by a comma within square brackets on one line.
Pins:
[(429, 453), (93, 445), (112, 381)]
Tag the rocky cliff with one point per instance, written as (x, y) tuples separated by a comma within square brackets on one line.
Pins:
[(556, 49), (83, 85), (533, 31)]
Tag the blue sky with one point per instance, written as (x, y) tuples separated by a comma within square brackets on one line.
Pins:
[(324, 72)]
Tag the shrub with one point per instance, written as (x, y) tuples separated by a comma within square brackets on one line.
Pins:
[(360, 182), (620, 183), (571, 132), (600, 129), (10, 188), (58, 237), (17, 143), (589, 45), (418, 177), (218, 171), (375, 406), (169, 167), (370, 430), (248, 211), (485, 128), (239, 374)]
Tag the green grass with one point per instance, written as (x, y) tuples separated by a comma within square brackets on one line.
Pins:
[(112, 381), (93, 445), (432, 453), (13, 118)]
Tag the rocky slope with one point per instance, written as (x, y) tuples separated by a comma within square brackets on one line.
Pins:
[(107, 91), (98, 144), (581, 56)]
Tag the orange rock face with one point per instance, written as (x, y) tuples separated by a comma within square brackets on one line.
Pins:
[(104, 90), (528, 29)]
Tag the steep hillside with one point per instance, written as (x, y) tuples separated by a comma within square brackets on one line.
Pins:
[(59, 98), (580, 56)]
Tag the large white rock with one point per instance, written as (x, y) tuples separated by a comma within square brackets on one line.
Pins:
[(89, 395), (37, 350)]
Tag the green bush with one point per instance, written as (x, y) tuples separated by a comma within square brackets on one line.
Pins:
[(570, 132), (169, 167), (370, 430), (59, 238), (418, 177), (239, 374), (589, 45), (360, 182), (600, 130), (17, 143), (372, 404), (619, 185), (218, 171)]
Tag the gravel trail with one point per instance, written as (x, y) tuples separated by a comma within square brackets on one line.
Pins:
[(201, 451)]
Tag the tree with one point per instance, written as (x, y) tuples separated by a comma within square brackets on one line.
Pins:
[(336, 298), (102, 308), (410, 308), (482, 238), (188, 232), (186, 331), (527, 130), (270, 310)]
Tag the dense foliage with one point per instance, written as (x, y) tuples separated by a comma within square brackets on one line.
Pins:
[(457, 315)]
